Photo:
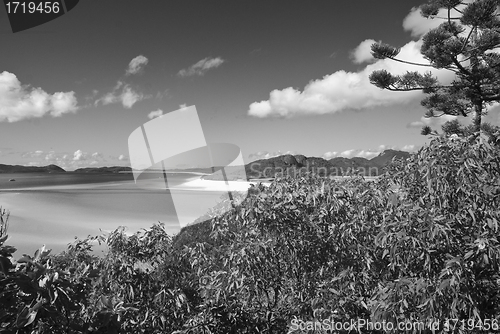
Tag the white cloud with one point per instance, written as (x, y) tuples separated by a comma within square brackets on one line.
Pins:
[(130, 97), (127, 96), (97, 155), (330, 155), (182, 106), (363, 52), (201, 67), (410, 148), (436, 122), (77, 159), (368, 154), (136, 65), (156, 113), (33, 154), (343, 90), (419, 25), (18, 102), (79, 155)]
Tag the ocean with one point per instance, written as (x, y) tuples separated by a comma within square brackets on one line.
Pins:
[(53, 209)]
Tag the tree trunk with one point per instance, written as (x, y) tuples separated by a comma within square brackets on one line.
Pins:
[(477, 117)]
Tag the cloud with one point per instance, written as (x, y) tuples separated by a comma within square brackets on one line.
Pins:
[(79, 155), (345, 90), (74, 160), (33, 154), (436, 122), (410, 148), (368, 154), (201, 67), (418, 25), (18, 102), (363, 52), (122, 93), (156, 113), (136, 65), (161, 95)]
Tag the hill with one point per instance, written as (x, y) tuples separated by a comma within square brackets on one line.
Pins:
[(103, 170), (30, 169), (296, 164)]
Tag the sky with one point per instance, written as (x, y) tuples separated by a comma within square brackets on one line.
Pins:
[(272, 77)]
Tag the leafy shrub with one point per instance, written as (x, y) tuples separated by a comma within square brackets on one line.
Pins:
[(419, 243), (441, 237)]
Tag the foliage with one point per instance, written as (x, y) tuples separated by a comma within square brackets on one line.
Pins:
[(419, 243), (465, 44), (440, 237), (455, 128)]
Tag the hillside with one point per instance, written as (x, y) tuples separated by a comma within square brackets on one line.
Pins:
[(30, 169), (264, 168), (296, 164), (103, 170)]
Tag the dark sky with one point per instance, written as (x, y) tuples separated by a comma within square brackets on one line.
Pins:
[(65, 97)]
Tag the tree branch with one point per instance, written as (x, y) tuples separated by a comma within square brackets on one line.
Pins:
[(410, 62)]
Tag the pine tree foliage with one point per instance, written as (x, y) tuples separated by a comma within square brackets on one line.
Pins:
[(467, 43)]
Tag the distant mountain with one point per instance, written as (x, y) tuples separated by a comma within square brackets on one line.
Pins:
[(103, 170), (384, 158), (264, 168), (30, 169), (295, 164)]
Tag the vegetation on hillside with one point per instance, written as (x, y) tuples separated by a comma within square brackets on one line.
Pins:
[(419, 244)]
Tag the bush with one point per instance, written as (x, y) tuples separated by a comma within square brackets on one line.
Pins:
[(418, 244)]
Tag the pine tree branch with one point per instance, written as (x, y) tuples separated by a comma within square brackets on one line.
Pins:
[(395, 88), (491, 98), (409, 62), (466, 41)]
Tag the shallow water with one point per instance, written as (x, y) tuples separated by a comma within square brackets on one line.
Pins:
[(54, 213)]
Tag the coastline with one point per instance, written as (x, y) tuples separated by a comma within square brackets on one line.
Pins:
[(54, 214)]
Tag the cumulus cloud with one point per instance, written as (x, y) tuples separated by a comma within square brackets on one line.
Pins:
[(74, 160), (136, 65), (18, 102), (368, 154), (345, 90), (418, 25), (156, 113), (410, 148), (122, 93), (363, 52), (201, 67), (79, 155)]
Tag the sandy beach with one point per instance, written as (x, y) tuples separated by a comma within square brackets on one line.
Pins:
[(54, 214)]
